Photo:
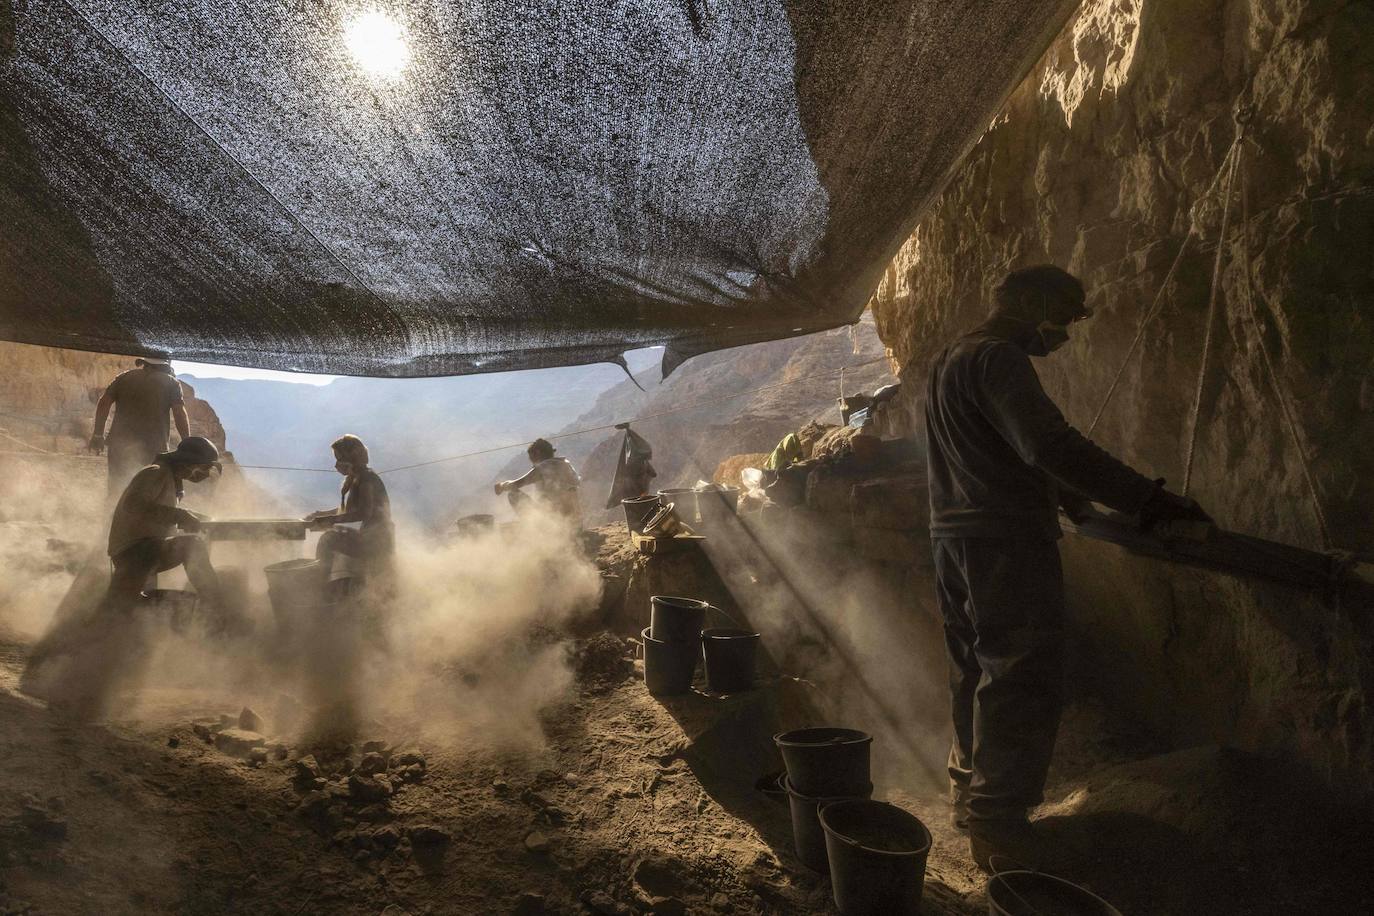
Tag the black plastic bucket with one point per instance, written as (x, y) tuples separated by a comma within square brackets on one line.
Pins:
[(685, 501), (807, 836), (826, 762), (669, 666), (729, 655), (1033, 893), (717, 505), (638, 510), (877, 856), (677, 619)]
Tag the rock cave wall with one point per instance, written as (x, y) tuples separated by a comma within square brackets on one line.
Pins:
[(48, 395), (1102, 161)]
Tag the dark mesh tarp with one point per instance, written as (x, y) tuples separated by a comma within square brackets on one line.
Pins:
[(545, 183)]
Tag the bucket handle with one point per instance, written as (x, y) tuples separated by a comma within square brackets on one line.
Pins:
[(1013, 865), (711, 607)]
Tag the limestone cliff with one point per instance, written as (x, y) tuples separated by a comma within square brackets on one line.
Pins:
[(1103, 161), (48, 395), (53, 494), (722, 404)]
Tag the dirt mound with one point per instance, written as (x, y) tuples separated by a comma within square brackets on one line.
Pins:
[(601, 661)]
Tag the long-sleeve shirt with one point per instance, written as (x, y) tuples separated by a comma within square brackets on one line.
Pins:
[(364, 500), (556, 482), (999, 450)]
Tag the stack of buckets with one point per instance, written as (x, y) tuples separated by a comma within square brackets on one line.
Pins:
[(875, 852), (676, 638)]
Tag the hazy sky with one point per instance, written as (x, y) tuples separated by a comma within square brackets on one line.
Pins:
[(212, 370)]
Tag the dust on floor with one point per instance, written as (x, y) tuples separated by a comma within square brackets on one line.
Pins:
[(633, 804), (609, 816)]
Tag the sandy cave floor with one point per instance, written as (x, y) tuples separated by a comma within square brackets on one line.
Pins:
[(636, 799), (152, 828)]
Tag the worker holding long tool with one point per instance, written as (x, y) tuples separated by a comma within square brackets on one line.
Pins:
[(1002, 461), (143, 398)]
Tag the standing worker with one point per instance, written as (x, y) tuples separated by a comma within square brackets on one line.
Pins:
[(1002, 460), (555, 481), (143, 397)]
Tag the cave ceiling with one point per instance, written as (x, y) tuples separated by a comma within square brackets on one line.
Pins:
[(417, 188)]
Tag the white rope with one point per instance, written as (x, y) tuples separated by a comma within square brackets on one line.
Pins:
[(1140, 331), (1285, 408), (1232, 156)]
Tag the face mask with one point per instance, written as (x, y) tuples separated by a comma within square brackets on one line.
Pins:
[(1052, 336), (344, 467), (198, 475)]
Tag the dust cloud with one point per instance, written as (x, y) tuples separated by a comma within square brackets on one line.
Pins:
[(50, 522), (465, 644), (868, 648)]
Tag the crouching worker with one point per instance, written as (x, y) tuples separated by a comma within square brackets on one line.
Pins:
[(350, 556), (555, 481), (143, 538)]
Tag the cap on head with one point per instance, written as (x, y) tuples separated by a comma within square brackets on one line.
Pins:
[(194, 450), (153, 361), (1041, 293)]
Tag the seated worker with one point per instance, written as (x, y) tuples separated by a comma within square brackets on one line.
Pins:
[(362, 499), (555, 484), (143, 538)]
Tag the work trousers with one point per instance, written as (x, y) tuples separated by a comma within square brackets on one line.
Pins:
[(1003, 605), (136, 563)]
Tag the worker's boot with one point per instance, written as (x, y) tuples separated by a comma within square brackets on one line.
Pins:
[(999, 845), (958, 814)]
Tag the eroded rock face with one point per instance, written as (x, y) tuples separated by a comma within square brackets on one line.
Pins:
[(48, 396), (1103, 160)]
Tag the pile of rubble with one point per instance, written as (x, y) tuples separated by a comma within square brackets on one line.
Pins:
[(351, 798), (348, 797), (239, 736)]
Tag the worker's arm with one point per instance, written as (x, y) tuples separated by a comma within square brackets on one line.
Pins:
[(363, 500), (1074, 505), (523, 480), (182, 421), (1012, 399), (102, 413)]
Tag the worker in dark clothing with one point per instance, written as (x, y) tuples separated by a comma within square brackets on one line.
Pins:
[(143, 399), (363, 500), (1002, 461)]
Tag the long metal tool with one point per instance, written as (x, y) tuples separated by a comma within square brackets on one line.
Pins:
[(1209, 547)]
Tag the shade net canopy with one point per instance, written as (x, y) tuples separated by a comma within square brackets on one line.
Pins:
[(415, 188)]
